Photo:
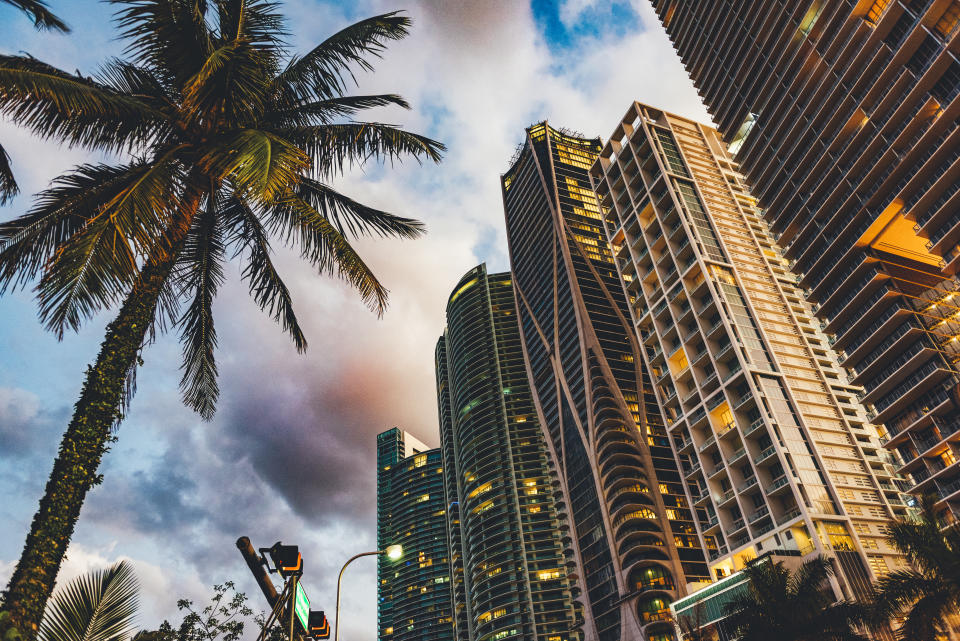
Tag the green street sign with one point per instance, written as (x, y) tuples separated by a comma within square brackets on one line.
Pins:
[(301, 606)]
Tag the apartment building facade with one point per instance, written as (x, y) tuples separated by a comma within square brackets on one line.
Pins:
[(508, 564), (844, 117), (632, 530), (776, 451), (413, 594)]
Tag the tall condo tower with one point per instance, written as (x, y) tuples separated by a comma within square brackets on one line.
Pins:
[(632, 530), (844, 118), (776, 451), (413, 594), (509, 572)]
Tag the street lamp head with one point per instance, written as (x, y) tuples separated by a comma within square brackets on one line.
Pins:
[(394, 552)]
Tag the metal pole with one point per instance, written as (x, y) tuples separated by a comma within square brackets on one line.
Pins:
[(336, 616), (256, 567), (293, 604)]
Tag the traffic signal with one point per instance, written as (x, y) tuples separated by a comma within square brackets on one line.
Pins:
[(287, 559), (318, 624)]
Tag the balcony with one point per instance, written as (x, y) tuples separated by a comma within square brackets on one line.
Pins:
[(762, 512), (765, 454), (777, 483), (706, 444), (789, 515), (726, 429), (725, 497), (754, 426)]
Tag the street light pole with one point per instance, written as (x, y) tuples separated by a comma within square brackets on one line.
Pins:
[(393, 552)]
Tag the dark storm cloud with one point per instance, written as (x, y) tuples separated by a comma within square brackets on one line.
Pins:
[(26, 428), (312, 443)]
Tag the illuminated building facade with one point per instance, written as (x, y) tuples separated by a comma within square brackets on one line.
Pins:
[(777, 453), (844, 118), (508, 567), (413, 594), (631, 529)]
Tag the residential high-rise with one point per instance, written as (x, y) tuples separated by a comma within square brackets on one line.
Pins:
[(844, 118), (413, 594), (776, 451), (509, 572), (632, 530)]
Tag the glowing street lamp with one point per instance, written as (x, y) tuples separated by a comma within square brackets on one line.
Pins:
[(392, 552)]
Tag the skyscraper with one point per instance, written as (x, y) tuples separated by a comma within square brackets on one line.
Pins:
[(776, 451), (510, 574), (632, 530), (413, 594), (843, 116)]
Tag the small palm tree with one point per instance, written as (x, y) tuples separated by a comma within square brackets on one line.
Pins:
[(230, 143), (927, 598), (796, 606), (97, 606), (43, 18)]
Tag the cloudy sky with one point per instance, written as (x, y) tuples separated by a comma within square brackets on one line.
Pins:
[(290, 454)]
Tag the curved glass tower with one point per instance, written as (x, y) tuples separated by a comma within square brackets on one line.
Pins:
[(509, 572), (413, 597), (633, 532)]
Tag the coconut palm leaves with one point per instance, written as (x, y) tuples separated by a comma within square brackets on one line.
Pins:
[(42, 17), (797, 606), (97, 606), (928, 596), (232, 146)]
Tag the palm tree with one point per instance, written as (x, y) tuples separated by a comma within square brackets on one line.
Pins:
[(228, 142), (43, 18), (796, 606), (927, 597), (97, 606)]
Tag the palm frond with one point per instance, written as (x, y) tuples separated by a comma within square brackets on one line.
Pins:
[(810, 577), (97, 606), (230, 84), (353, 219), (323, 112), (325, 247), (337, 147), (927, 620), (266, 287), (59, 212), (259, 164), (138, 82), (8, 184), (254, 21), (170, 37), (200, 271), (73, 109), (42, 17), (322, 72), (96, 264), (898, 590)]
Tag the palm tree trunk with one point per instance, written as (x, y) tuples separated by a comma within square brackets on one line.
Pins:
[(83, 445)]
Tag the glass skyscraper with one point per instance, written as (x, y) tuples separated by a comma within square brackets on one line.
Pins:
[(413, 594), (509, 572), (844, 118), (632, 531)]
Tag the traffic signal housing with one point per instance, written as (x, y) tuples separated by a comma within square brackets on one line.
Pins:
[(319, 627), (287, 559)]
